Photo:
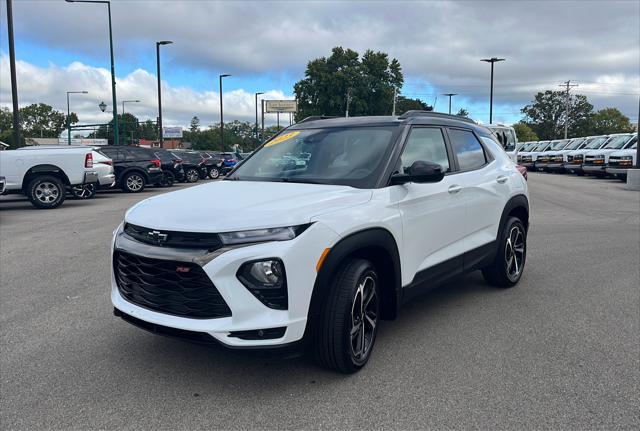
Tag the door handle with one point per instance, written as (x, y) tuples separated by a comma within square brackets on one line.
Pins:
[(454, 189), (502, 179)]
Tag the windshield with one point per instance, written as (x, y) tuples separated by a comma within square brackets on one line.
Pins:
[(617, 142), (557, 145), (529, 146), (541, 146), (574, 144), (595, 143), (352, 156)]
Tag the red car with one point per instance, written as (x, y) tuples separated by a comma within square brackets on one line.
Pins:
[(523, 171)]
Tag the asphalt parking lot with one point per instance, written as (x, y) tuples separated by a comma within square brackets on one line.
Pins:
[(559, 351)]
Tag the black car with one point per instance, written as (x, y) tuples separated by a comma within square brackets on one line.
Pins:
[(213, 161), (172, 169), (134, 167), (193, 164)]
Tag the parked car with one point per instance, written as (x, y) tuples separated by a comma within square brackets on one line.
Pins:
[(573, 164), (528, 158), (213, 162), (557, 159), (46, 174), (595, 161), (620, 161), (541, 160), (506, 137), (386, 209), (193, 164), (135, 167), (3, 183), (172, 169), (229, 162), (106, 178)]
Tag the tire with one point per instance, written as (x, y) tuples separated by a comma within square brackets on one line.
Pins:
[(167, 179), (84, 191), (214, 173), (133, 182), (508, 266), (191, 175), (345, 339), (46, 192)]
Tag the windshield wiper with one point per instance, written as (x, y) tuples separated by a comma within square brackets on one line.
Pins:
[(298, 180)]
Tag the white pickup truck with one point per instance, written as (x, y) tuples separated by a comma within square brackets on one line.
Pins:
[(45, 174)]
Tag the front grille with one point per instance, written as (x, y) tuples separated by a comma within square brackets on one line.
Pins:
[(165, 238), (177, 288)]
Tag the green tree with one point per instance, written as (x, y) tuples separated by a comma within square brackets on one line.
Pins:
[(40, 120), (404, 104), (610, 120), (367, 84), (195, 124), (546, 115), (463, 113), (524, 132)]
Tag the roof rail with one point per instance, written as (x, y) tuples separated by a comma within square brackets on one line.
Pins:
[(418, 113), (317, 117)]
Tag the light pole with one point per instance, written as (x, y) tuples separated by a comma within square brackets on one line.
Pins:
[(124, 122), (113, 68), (450, 96), (257, 94), (69, 114), (14, 82), (221, 116), (162, 42), (491, 60)]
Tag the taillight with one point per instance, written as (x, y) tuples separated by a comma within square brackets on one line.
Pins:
[(88, 160), (156, 162), (178, 161)]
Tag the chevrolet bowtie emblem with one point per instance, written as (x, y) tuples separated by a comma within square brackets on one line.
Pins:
[(158, 237)]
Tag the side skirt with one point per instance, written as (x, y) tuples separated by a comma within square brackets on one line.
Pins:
[(437, 275)]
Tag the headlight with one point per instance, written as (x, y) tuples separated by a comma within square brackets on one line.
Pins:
[(262, 235), (626, 158)]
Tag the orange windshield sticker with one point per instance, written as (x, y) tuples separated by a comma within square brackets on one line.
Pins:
[(282, 138)]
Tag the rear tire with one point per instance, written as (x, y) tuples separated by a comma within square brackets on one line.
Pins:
[(84, 191), (167, 179), (191, 175), (133, 182), (508, 265), (46, 192), (214, 173), (349, 318)]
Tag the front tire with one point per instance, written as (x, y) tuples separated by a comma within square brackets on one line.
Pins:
[(214, 173), (133, 182), (46, 192), (349, 319), (506, 270)]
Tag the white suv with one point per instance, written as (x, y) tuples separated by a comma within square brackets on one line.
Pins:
[(321, 251)]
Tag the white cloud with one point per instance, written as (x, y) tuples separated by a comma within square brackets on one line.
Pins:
[(179, 104)]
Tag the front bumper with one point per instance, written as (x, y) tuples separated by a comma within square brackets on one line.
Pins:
[(616, 171), (541, 165), (573, 167), (299, 256), (3, 184), (527, 164), (593, 169), (556, 167)]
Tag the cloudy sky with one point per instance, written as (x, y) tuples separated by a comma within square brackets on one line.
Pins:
[(265, 46)]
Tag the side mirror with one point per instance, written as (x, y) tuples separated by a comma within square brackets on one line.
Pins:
[(420, 172)]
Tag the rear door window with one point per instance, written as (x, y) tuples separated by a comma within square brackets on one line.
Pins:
[(467, 148)]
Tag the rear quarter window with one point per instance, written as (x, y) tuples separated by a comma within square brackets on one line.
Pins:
[(467, 148)]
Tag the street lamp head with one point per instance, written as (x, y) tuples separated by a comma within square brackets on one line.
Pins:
[(70, 1), (164, 42), (492, 59), (102, 106), (84, 92), (257, 94), (224, 75)]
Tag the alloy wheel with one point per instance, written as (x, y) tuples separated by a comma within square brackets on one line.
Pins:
[(514, 253), (135, 182), (84, 191), (47, 192), (364, 319)]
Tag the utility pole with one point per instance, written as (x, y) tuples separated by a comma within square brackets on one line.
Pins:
[(14, 82), (450, 96), (568, 85), (395, 91), (346, 114)]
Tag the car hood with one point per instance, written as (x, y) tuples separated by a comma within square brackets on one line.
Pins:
[(627, 152), (226, 206)]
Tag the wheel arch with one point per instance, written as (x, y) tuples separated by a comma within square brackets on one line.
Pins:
[(376, 245), (44, 169), (517, 206)]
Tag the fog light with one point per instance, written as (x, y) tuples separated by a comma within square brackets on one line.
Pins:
[(266, 280)]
